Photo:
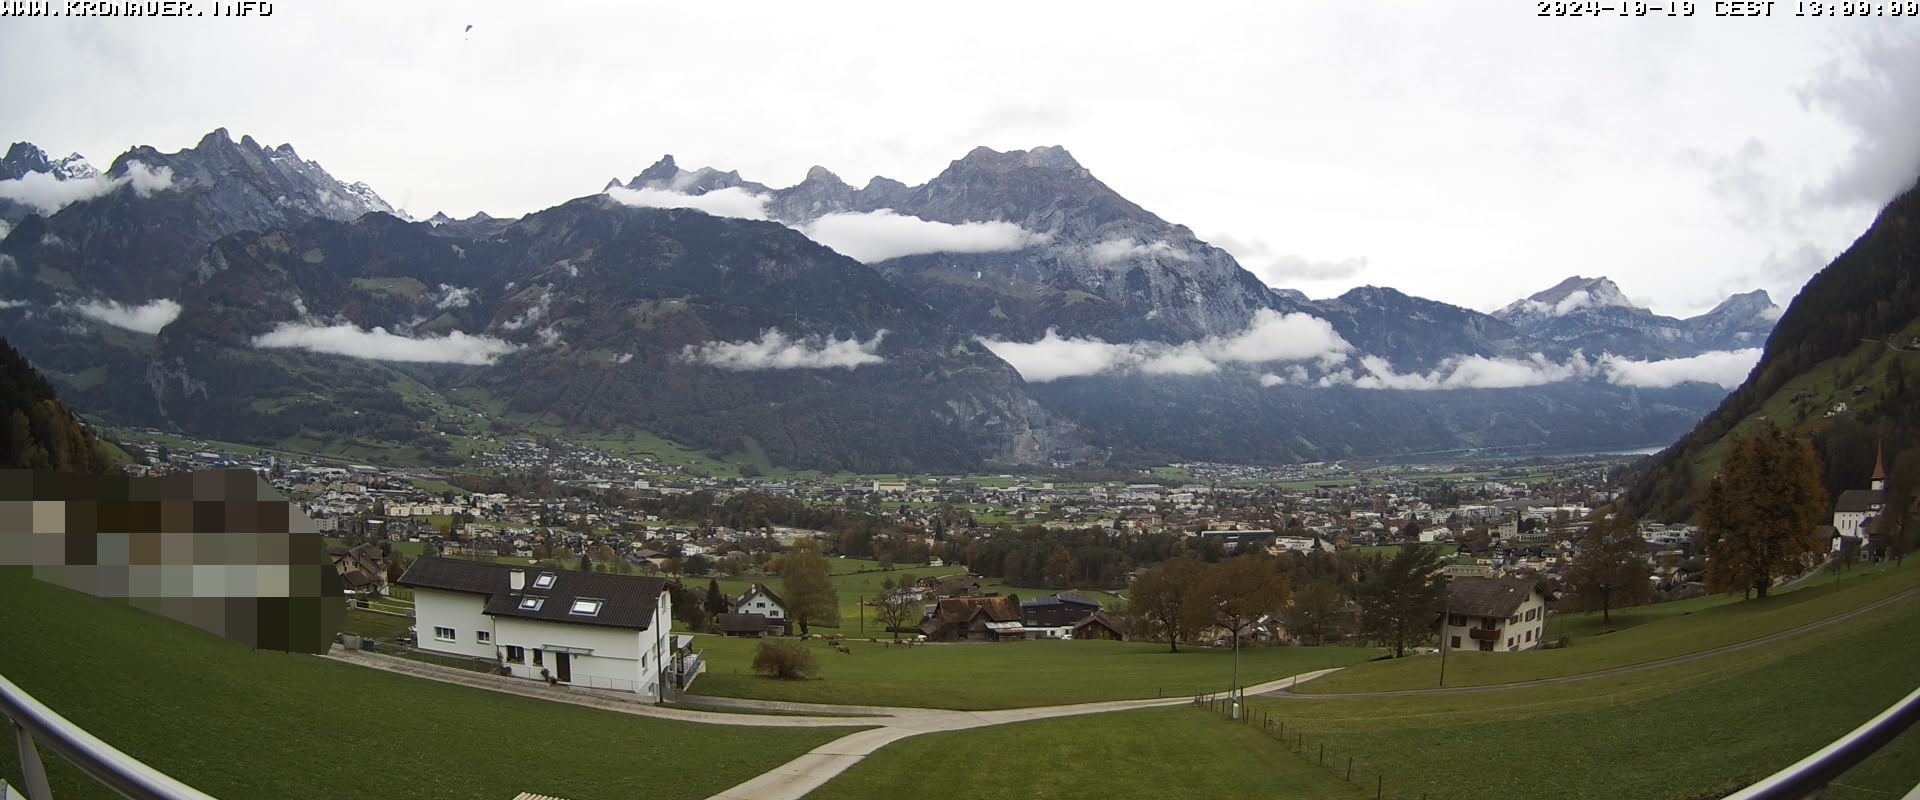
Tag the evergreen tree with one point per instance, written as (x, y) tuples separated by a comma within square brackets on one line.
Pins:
[(1757, 517), (716, 600), (1399, 602)]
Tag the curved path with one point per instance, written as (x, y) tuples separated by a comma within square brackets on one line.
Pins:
[(1287, 691), (795, 778), (885, 725)]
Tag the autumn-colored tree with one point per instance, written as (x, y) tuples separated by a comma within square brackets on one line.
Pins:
[(1160, 596), (807, 586), (1757, 517), (1400, 601), (1236, 592), (1610, 568)]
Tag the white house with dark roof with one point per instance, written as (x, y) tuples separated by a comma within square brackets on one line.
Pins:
[(587, 629), (1500, 615)]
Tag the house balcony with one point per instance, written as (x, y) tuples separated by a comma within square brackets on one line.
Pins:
[(1483, 635)]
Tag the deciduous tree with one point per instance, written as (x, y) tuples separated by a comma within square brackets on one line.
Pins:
[(807, 586), (1610, 568), (1238, 591), (1320, 612), (1160, 596), (1757, 517)]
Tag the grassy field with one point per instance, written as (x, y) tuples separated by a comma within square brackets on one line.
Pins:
[(1585, 624), (1678, 634), (975, 676), (1143, 755), (853, 579), (237, 723), (1687, 730)]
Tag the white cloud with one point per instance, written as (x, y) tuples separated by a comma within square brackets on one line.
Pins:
[(1463, 372), (549, 336), (775, 350), (49, 194), (450, 296), (732, 201), (4, 229), (149, 318), (624, 358), (1871, 88), (1728, 368), (532, 314), (1113, 251), (1279, 269), (881, 235), (379, 345), (1271, 336), (6, 304)]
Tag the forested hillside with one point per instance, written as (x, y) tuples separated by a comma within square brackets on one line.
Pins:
[(40, 432), (1847, 338)]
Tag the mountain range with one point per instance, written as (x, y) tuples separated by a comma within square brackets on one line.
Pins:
[(1013, 309)]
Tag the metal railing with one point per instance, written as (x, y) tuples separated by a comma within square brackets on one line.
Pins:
[(1810, 776), (34, 723)]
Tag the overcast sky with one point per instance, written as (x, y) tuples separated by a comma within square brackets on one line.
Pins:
[(1468, 152)]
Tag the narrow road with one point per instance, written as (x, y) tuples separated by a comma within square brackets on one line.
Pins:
[(1287, 692), (795, 778)]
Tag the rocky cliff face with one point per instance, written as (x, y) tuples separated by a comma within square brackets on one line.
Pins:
[(140, 237)]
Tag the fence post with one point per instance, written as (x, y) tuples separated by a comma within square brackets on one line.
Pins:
[(1379, 785), (1323, 755), (1299, 740), (1349, 769)]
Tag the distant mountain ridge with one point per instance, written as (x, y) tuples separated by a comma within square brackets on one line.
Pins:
[(746, 336)]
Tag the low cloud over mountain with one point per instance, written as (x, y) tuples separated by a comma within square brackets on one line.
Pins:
[(49, 192), (379, 345), (775, 350)]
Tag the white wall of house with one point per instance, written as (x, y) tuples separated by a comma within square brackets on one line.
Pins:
[(434, 608), (757, 602), (614, 663), (1524, 634)]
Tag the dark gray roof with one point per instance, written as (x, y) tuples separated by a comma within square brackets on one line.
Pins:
[(626, 601), (1860, 500), (742, 623), (1488, 597), (762, 588)]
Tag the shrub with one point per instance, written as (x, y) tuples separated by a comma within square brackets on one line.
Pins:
[(784, 659)]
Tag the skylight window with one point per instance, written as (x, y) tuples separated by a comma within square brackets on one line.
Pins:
[(586, 607), (532, 603), (545, 581)]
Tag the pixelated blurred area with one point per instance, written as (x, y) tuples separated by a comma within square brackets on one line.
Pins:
[(219, 550)]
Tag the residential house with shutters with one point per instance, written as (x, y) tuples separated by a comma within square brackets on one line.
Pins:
[(1500, 615), (760, 600), (587, 629)]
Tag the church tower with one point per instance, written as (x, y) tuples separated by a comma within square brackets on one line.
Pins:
[(1879, 471)]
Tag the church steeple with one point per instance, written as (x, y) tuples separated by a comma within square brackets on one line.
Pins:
[(1879, 470)]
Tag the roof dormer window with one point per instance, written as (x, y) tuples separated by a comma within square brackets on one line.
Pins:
[(532, 603), (545, 581), (586, 607)]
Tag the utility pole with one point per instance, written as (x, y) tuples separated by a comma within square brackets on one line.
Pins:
[(861, 601), (1446, 621)]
